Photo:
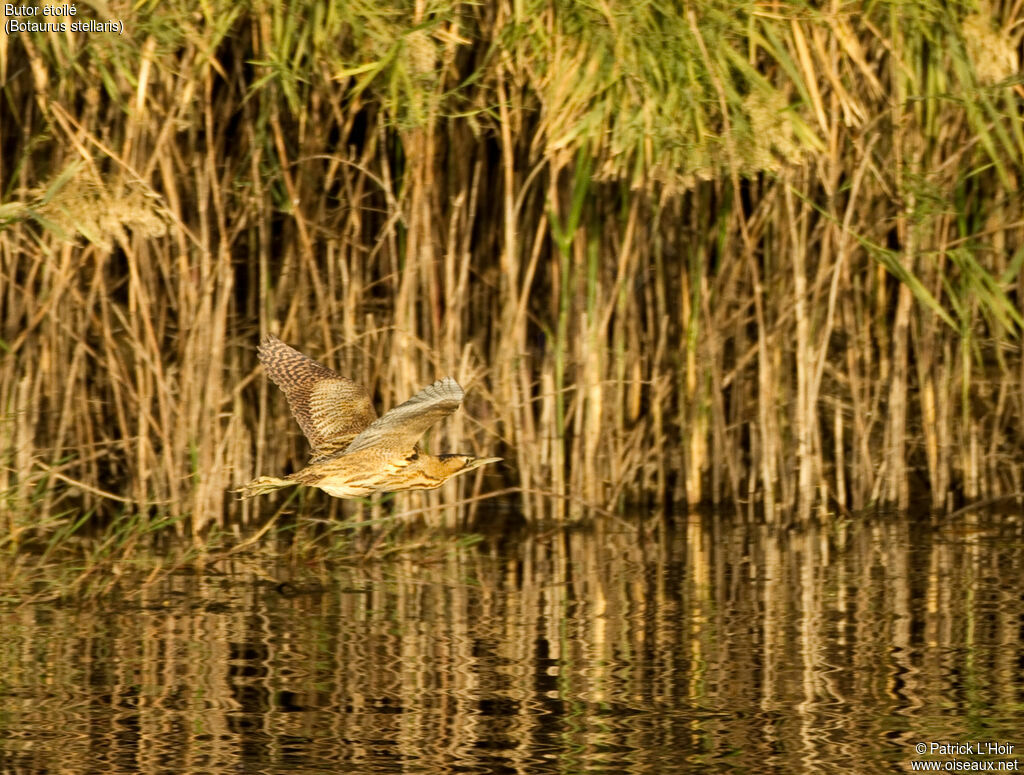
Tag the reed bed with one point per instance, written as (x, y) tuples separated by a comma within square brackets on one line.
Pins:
[(765, 254)]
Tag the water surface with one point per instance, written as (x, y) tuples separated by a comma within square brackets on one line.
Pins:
[(715, 645)]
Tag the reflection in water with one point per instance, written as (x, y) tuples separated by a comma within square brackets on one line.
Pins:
[(737, 647)]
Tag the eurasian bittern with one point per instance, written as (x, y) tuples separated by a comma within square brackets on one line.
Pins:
[(355, 453)]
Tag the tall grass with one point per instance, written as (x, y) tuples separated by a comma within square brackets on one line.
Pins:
[(757, 254)]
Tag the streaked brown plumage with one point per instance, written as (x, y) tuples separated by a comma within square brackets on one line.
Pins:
[(355, 453)]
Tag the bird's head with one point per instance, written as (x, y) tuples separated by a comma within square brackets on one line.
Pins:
[(454, 464)]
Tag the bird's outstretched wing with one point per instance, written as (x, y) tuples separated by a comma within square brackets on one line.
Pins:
[(398, 430), (330, 409)]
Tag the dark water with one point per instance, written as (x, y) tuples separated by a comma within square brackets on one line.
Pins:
[(715, 646)]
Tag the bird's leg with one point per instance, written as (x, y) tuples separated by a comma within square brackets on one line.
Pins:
[(263, 485)]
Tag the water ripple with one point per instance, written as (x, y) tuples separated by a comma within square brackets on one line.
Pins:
[(730, 646)]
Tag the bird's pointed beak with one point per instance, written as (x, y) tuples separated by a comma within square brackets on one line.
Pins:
[(481, 461)]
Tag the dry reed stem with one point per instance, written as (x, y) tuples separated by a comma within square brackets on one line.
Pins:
[(758, 273)]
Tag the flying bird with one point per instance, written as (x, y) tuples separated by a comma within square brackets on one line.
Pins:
[(355, 453)]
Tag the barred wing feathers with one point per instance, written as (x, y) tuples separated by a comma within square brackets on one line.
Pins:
[(331, 410), (399, 430)]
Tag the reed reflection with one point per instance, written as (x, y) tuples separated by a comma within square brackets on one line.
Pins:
[(739, 646)]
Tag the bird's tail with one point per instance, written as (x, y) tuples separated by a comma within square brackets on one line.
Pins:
[(263, 485)]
